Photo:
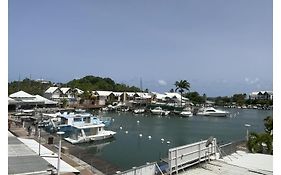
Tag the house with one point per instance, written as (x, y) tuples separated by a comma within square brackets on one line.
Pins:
[(24, 100), (128, 96), (67, 93), (79, 91), (142, 97), (117, 96), (47, 102), (102, 97), (172, 98), (53, 93), (261, 95)]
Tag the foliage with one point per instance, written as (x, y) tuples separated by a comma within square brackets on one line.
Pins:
[(239, 99), (262, 142), (221, 101), (195, 98), (268, 123), (91, 83), (29, 86), (88, 83), (64, 102), (181, 86)]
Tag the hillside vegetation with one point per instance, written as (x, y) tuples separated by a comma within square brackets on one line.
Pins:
[(87, 83)]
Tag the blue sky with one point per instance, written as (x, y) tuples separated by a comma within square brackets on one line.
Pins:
[(220, 46)]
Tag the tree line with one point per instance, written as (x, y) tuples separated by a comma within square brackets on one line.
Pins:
[(87, 83)]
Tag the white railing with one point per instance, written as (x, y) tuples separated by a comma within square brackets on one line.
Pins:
[(182, 157), (148, 169)]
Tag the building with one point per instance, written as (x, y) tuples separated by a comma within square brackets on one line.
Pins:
[(102, 97), (53, 93), (67, 93), (24, 100), (261, 95)]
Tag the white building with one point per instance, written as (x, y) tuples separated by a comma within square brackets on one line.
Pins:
[(261, 95), (67, 93), (102, 97), (53, 93)]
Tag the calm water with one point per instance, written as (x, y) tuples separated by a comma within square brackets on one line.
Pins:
[(128, 149)]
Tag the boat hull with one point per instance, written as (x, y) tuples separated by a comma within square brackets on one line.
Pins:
[(97, 137)]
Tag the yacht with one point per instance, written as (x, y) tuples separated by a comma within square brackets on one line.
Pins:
[(210, 111), (159, 111), (83, 127), (186, 112)]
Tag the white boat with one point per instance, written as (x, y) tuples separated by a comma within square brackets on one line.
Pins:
[(84, 127), (89, 133), (159, 111), (139, 111), (210, 111), (186, 112)]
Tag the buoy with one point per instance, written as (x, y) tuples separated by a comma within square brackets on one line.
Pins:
[(140, 135), (138, 122), (149, 137), (126, 132), (168, 142)]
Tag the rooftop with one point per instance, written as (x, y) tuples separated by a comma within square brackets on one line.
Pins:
[(235, 164), (21, 94)]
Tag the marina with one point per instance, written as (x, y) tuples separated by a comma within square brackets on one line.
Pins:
[(142, 138)]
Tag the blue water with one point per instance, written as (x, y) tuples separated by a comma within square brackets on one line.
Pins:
[(129, 149)]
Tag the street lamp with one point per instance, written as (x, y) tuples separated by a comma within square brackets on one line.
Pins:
[(247, 126), (60, 133)]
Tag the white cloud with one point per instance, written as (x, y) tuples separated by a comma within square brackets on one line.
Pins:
[(162, 82), (252, 81)]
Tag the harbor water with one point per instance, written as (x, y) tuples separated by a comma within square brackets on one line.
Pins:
[(145, 138)]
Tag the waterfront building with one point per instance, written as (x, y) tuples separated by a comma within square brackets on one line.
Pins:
[(261, 95), (101, 97), (53, 93), (67, 93), (22, 99)]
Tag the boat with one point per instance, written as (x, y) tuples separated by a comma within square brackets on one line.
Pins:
[(159, 111), (186, 112), (210, 111), (84, 127), (139, 111)]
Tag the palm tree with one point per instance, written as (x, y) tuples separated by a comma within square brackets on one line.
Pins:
[(181, 86)]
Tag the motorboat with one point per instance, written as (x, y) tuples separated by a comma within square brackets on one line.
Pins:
[(159, 111), (139, 111), (186, 112), (210, 111), (87, 133), (83, 127)]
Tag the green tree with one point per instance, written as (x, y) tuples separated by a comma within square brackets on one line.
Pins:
[(262, 142), (181, 86), (64, 102)]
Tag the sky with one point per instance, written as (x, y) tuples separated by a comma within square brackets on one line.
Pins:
[(221, 47)]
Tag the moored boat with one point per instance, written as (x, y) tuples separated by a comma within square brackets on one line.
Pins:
[(186, 112), (83, 127), (139, 111), (159, 111), (210, 111)]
